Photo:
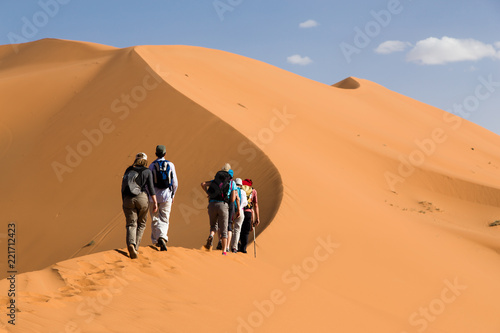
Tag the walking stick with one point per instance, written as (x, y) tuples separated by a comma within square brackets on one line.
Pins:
[(254, 249)]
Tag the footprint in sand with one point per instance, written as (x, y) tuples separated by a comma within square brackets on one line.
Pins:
[(6, 138)]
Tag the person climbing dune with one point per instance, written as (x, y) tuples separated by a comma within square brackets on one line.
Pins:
[(240, 204), (218, 191), (136, 180), (165, 186), (251, 212)]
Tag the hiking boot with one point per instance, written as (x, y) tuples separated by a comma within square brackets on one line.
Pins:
[(132, 251), (219, 245), (162, 244), (234, 251), (208, 246)]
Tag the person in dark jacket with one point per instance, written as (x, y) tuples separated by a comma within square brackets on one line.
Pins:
[(251, 212), (135, 201)]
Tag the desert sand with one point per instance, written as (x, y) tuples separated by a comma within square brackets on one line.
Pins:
[(375, 207)]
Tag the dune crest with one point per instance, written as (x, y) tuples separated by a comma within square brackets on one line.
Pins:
[(93, 111), (347, 83), (372, 206)]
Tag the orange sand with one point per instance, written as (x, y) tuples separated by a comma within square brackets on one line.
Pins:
[(374, 207)]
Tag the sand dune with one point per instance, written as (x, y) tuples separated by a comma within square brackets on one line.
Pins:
[(347, 83), (375, 207)]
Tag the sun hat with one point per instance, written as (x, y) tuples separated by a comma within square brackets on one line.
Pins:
[(141, 155), (247, 182), (238, 181), (231, 173)]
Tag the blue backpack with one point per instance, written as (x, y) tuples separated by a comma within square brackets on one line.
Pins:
[(241, 193), (162, 175)]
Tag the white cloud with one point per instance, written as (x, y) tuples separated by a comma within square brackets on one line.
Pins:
[(435, 51), (297, 59), (392, 46), (308, 24)]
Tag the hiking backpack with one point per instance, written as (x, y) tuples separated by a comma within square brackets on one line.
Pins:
[(243, 198), (130, 185), (249, 192), (219, 187), (162, 177)]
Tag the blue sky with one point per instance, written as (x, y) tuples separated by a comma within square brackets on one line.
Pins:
[(444, 53)]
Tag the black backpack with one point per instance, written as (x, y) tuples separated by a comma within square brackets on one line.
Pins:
[(219, 187), (130, 185), (162, 174)]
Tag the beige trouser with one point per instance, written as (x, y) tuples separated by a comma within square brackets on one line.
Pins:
[(136, 214), (236, 230), (160, 221)]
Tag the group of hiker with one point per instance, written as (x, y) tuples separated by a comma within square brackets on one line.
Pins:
[(232, 208)]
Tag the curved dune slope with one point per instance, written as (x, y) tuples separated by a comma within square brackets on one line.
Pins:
[(79, 146), (375, 207)]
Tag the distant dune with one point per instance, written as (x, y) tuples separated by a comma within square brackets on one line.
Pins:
[(375, 207), (348, 83)]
